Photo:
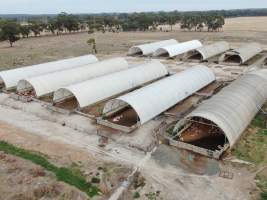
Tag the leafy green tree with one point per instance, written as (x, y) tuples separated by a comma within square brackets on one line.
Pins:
[(25, 30), (52, 26), (36, 27), (10, 31)]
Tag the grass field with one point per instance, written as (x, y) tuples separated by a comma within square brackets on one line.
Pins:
[(66, 175), (43, 49)]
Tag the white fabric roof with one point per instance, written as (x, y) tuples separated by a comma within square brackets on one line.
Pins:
[(233, 108), (245, 52), (214, 49), (12, 77), (150, 48), (49, 83), (98, 89), (152, 100), (177, 49)]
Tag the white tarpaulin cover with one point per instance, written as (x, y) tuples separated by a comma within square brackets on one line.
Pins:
[(49, 83), (152, 100), (150, 48), (211, 50), (10, 78), (233, 108), (98, 89), (178, 49)]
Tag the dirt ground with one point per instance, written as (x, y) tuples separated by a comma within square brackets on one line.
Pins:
[(74, 139), (22, 180)]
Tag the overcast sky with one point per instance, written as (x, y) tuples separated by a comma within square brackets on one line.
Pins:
[(96, 6)]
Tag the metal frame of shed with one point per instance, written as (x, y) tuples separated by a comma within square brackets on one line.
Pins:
[(10, 78), (177, 49), (152, 100)]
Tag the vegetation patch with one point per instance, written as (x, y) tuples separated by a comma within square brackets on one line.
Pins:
[(68, 175), (253, 147)]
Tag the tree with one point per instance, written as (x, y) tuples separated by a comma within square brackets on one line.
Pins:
[(52, 26), (25, 30), (10, 31), (36, 27), (92, 42)]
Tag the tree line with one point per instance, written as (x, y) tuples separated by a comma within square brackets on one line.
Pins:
[(15, 27)]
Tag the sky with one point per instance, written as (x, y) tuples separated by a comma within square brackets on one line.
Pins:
[(98, 6)]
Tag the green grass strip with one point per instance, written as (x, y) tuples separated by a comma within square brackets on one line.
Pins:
[(63, 174)]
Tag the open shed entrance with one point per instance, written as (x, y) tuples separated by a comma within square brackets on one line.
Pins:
[(201, 136), (2, 84), (122, 118), (232, 59), (65, 106), (194, 56), (92, 111), (25, 92), (136, 51)]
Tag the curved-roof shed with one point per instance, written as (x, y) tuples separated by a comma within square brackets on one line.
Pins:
[(152, 100), (98, 89), (150, 48), (233, 108), (208, 51), (177, 49), (260, 72), (242, 54), (48, 83), (10, 78)]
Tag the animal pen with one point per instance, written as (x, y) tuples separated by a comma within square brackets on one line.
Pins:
[(128, 112), (90, 95), (42, 87), (174, 50), (218, 123), (207, 52), (241, 55), (150, 48)]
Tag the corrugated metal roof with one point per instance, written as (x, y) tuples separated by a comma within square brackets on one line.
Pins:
[(49, 83), (98, 89), (12, 77), (212, 50), (233, 108), (150, 48), (152, 100), (245, 52), (177, 49)]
